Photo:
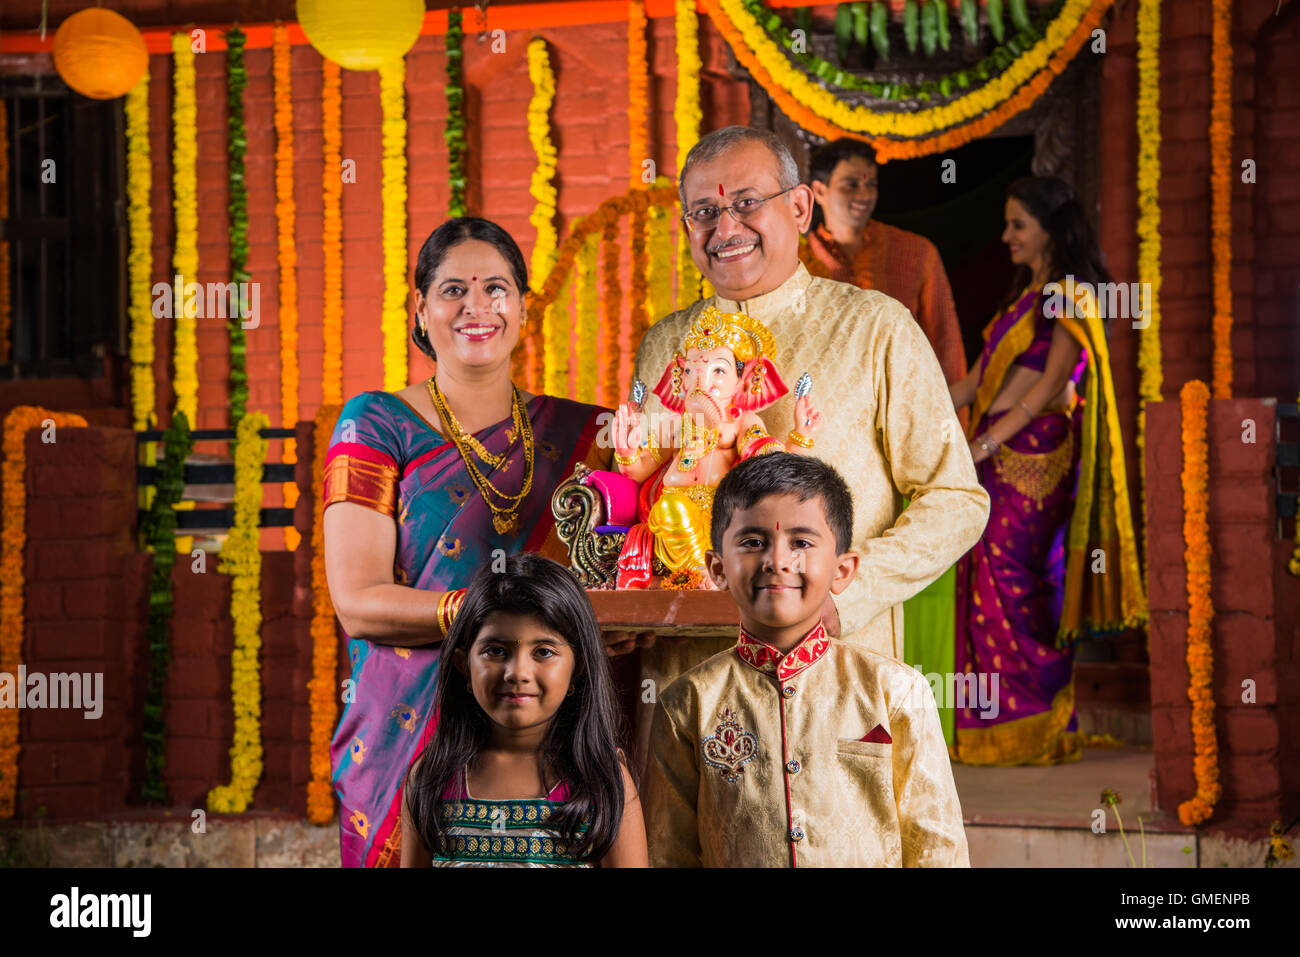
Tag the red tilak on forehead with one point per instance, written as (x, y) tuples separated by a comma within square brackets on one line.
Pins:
[(720, 192), (473, 278)]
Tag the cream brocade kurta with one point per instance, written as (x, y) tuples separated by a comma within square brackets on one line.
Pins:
[(889, 428), (758, 760)]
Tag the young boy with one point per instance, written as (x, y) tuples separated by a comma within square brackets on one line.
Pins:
[(792, 748)]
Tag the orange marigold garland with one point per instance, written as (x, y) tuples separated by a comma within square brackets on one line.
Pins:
[(595, 223), (332, 234), (687, 116), (638, 85), (1194, 398), (285, 212), (13, 482), (322, 689), (1221, 175)]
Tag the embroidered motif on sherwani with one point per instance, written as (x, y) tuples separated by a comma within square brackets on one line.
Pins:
[(889, 429), (828, 756)]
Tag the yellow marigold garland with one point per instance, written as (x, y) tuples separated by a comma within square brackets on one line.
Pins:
[(638, 319), (539, 134), (659, 278), (819, 111), (557, 341), (185, 254), (322, 689), (13, 487), (1150, 359), (6, 315), (588, 309), (638, 85), (1194, 399), (241, 558), (285, 215), (139, 181), (1221, 175), (687, 115), (392, 97), (610, 331), (332, 234)]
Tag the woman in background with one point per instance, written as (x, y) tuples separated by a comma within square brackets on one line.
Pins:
[(1058, 557)]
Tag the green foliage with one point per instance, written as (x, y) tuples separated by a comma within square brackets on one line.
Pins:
[(941, 23), (996, 27), (970, 21), (930, 27), (843, 31), (159, 530), (910, 25), (878, 22), (880, 29), (237, 147), (455, 131), (1019, 14)]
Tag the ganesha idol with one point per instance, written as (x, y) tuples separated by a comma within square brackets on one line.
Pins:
[(715, 388)]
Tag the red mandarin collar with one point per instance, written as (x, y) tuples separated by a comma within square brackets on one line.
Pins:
[(761, 656)]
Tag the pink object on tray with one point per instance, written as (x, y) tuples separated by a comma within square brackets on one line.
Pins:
[(619, 493)]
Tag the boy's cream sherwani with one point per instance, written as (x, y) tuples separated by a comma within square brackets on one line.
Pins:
[(829, 756)]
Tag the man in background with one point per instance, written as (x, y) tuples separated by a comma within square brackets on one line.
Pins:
[(846, 244)]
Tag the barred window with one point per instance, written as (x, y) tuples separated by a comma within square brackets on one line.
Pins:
[(65, 228)]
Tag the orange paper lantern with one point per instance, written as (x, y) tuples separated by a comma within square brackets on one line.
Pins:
[(361, 36), (100, 54)]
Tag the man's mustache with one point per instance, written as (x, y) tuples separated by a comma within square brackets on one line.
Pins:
[(713, 250)]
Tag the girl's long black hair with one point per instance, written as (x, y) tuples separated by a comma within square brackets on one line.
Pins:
[(579, 746), (1074, 249)]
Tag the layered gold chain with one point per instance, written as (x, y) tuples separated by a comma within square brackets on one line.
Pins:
[(505, 517)]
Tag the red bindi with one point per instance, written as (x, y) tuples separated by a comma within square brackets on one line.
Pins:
[(720, 192)]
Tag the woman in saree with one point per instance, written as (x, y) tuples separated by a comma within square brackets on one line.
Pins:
[(1058, 558), (423, 487)]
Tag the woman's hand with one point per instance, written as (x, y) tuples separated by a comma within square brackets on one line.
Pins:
[(807, 420), (625, 642)]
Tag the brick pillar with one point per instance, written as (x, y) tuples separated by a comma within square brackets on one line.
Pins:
[(1252, 641), (82, 596)]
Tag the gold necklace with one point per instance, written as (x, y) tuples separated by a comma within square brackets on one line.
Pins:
[(505, 518)]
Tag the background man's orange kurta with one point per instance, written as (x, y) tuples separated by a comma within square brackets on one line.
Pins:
[(904, 266)]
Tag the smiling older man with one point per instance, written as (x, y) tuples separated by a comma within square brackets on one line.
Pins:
[(889, 424)]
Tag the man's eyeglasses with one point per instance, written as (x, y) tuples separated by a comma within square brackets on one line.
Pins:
[(706, 217)]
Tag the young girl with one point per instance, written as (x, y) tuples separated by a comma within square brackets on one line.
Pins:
[(522, 769)]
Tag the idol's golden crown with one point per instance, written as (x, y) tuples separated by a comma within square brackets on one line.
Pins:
[(744, 335)]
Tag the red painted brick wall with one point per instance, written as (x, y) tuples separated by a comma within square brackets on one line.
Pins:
[(82, 577), (87, 592), (1255, 634), (589, 128)]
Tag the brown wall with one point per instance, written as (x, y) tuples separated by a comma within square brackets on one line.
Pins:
[(1255, 635)]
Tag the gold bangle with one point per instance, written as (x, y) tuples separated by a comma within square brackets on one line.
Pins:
[(448, 605), (626, 460), (800, 440)]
